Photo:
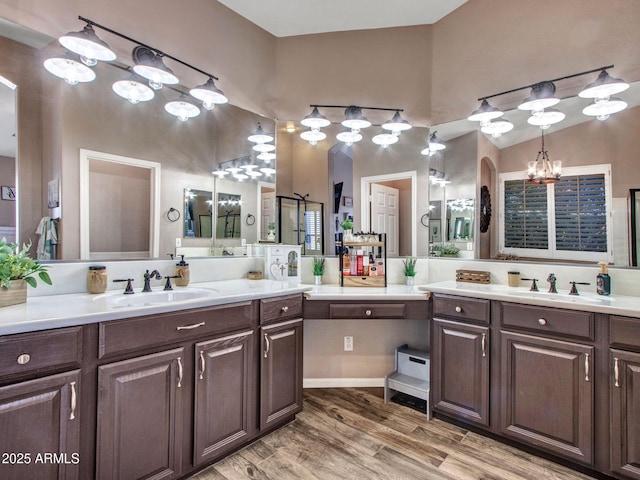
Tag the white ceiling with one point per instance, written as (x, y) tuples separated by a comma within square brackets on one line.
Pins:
[(284, 18)]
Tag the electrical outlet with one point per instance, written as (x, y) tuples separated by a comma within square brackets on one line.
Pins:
[(243, 242), (469, 246), (348, 344), (178, 242)]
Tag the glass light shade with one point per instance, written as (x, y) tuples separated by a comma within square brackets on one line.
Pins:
[(315, 120), (233, 169), (266, 156), (609, 107), (547, 117), (87, 44), (69, 69), (268, 170), (240, 176), (260, 136), (133, 90), (426, 151), (313, 136), (349, 138), (384, 139), (254, 174), (208, 94), (182, 109), (496, 128), (220, 172), (264, 147), (542, 96), (604, 86), (486, 112), (248, 167), (435, 143), (354, 119), (150, 66), (396, 124)]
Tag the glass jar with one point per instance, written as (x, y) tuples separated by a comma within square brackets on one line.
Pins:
[(97, 279)]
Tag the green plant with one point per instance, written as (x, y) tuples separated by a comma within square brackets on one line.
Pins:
[(347, 224), (318, 266), (450, 249), (16, 264), (271, 225), (410, 266)]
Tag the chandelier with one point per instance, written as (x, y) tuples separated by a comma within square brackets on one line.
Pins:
[(542, 169)]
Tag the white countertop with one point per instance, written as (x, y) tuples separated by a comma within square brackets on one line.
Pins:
[(391, 292), (585, 301), (55, 311)]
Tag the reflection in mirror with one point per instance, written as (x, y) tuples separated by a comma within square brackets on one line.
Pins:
[(8, 160), (634, 225), (197, 213), (267, 209), (460, 219), (229, 216)]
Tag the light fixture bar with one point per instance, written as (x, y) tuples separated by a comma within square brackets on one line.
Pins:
[(358, 106), (133, 40)]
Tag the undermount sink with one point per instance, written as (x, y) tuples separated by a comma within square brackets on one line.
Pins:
[(161, 297), (562, 297)]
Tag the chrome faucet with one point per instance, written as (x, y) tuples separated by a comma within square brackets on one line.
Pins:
[(552, 283), (147, 279), (574, 290)]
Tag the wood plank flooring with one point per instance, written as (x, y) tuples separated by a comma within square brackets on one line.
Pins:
[(349, 433)]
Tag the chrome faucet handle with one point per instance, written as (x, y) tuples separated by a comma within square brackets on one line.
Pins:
[(552, 283), (574, 290), (128, 289), (534, 285), (167, 285)]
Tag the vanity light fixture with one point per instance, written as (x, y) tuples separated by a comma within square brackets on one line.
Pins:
[(545, 118), (604, 86), (240, 176), (264, 147), (434, 144), (315, 119), (133, 89), (182, 108), (602, 108), (260, 136), (266, 156), (396, 125), (149, 65), (313, 136), (209, 94), (220, 172), (87, 44), (496, 127), (234, 169), (542, 170), (485, 112), (69, 69), (542, 96), (385, 139), (268, 170), (349, 137)]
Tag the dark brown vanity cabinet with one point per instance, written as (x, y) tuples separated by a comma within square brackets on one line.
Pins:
[(460, 358), (40, 404)]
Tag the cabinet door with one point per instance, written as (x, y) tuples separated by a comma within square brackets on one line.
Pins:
[(223, 394), (625, 413), (39, 428), (140, 417), (281, 372), (547, 394), (460, 370)]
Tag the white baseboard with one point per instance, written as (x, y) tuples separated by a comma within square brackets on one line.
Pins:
[(342, 382)]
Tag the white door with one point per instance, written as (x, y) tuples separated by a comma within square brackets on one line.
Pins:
[(267, 212), (384, 215)]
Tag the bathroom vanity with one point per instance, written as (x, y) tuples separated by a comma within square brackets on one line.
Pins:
[(559, 374), (150, 395)]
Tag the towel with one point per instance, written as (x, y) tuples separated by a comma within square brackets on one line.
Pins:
[(48, 237)]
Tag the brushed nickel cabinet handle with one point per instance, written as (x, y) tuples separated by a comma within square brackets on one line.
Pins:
[(616, 373), (458, 309), (285, 309), (74, 400), (484, 344), (179, 372), (266, 339), (542, 321), (586, 367), (191, 327), (23, 359), (202, 365), (368, 313)]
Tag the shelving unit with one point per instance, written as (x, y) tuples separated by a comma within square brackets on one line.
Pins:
[(379, 250)]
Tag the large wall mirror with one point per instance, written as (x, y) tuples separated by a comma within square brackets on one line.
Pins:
[(198, 219), (56, 121)]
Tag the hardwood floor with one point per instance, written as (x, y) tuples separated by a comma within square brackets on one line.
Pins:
[(350, 433)]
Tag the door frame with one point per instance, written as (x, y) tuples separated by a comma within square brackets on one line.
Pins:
[(365, 198)]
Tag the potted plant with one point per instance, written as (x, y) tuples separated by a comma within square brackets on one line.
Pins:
[(271, 226), (17, 270), (347, 226), (318, 269), (449, 250), (410, 269)]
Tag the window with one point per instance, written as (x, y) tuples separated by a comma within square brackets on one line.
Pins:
[(568, 219)]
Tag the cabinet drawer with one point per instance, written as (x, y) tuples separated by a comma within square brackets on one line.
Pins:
[(552, 321), (364, 311), (624, 332), (463, 308), (280, 308), (29, 352), (121, 336)]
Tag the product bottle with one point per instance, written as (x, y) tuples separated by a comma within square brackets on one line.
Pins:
[(354, 265), (365, 265), (380, 266), (346, 263), (360, 264), (603, 280), (182, 271)]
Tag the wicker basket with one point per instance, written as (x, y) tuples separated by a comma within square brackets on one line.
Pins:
[(473, 276)]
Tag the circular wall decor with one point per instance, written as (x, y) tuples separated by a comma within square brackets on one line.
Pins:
[(485, 209)]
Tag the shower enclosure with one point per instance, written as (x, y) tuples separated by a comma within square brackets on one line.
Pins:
[(300, 222)]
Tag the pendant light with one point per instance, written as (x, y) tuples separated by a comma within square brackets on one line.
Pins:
[(485, 112), (496, 127), (209, 94), (267, 170), (182, 108), (150, 66), (264, 147), (604, 86), (240, 176), (69, 69), (545, 118), (603, 108), (220, 172), (313, 136), (542, 170), (87, 44), (234, 169), (435, 143), (542, 96), (266, 156), (315, 120), (349, 138), (385, 139), (260, 136), (354, 119), (397, 124), (133, 90)]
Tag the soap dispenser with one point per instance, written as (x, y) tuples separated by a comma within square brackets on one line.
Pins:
[(182, 273), (603, 280)]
